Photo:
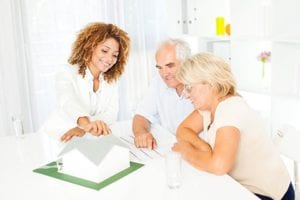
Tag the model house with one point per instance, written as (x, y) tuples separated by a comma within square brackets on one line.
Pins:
[(94, 159)]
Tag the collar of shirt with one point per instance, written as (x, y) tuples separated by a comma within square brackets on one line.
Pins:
[(172, 90), (169, 90), (90, 79)]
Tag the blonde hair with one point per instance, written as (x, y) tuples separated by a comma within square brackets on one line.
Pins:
[(210, 69), (88, 39)]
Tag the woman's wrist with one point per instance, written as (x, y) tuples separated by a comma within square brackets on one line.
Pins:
[(82, 121), (80, 129)]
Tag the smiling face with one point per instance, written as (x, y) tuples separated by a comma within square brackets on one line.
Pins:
[(168, 64), (105, 55)]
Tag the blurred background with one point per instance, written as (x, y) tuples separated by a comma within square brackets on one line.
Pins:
[(259, 38)]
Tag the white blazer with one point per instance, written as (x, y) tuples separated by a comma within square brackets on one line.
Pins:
[(75, 98)]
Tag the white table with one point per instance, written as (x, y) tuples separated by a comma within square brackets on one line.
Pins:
[(20, 156)]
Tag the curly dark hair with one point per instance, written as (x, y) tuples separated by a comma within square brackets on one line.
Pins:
[(93, 35)]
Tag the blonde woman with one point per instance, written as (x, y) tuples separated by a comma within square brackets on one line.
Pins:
[(236, 142), (87, 92)]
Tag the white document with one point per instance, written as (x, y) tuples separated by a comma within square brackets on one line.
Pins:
[(143, 155)]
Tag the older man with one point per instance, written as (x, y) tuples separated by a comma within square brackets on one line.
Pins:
[(163, 102)]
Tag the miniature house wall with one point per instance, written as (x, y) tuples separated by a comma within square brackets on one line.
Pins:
[(95, 159)]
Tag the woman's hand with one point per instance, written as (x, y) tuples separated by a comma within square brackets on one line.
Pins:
[(182, 148), (97, 128), (71, 133)]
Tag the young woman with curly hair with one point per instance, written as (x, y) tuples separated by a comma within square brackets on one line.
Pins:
[(86, 89)]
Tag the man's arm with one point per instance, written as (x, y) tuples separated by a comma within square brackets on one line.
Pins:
[(142, 135)]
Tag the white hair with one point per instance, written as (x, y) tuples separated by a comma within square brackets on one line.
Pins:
[(182, 48)]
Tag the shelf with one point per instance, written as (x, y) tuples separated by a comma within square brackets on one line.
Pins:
[(287, 40), (261, 92), (216, 39), (250, 38), (282, 95)]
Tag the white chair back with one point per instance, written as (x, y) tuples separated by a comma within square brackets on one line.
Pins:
[(287, 139)]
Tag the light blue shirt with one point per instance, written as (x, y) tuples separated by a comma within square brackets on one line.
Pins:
[(162, 105)]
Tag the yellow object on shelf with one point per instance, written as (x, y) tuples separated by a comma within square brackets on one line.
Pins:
[(227, 29), (220, 26)]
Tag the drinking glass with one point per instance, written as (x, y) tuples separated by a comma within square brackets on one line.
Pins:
[(173, 169), (18, 126)]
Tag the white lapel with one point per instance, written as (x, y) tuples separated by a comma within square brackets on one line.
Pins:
[(84, 90)]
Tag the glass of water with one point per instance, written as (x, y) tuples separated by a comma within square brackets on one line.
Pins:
[(59, 164), (18, 126), (173, 169)]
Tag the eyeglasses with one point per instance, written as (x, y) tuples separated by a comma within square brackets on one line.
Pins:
[(187, 88)]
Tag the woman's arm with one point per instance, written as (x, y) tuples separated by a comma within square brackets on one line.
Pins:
[(189, 130), (218, 160)]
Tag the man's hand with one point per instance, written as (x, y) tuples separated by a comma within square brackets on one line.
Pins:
[(71, 133), (145, 140)]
